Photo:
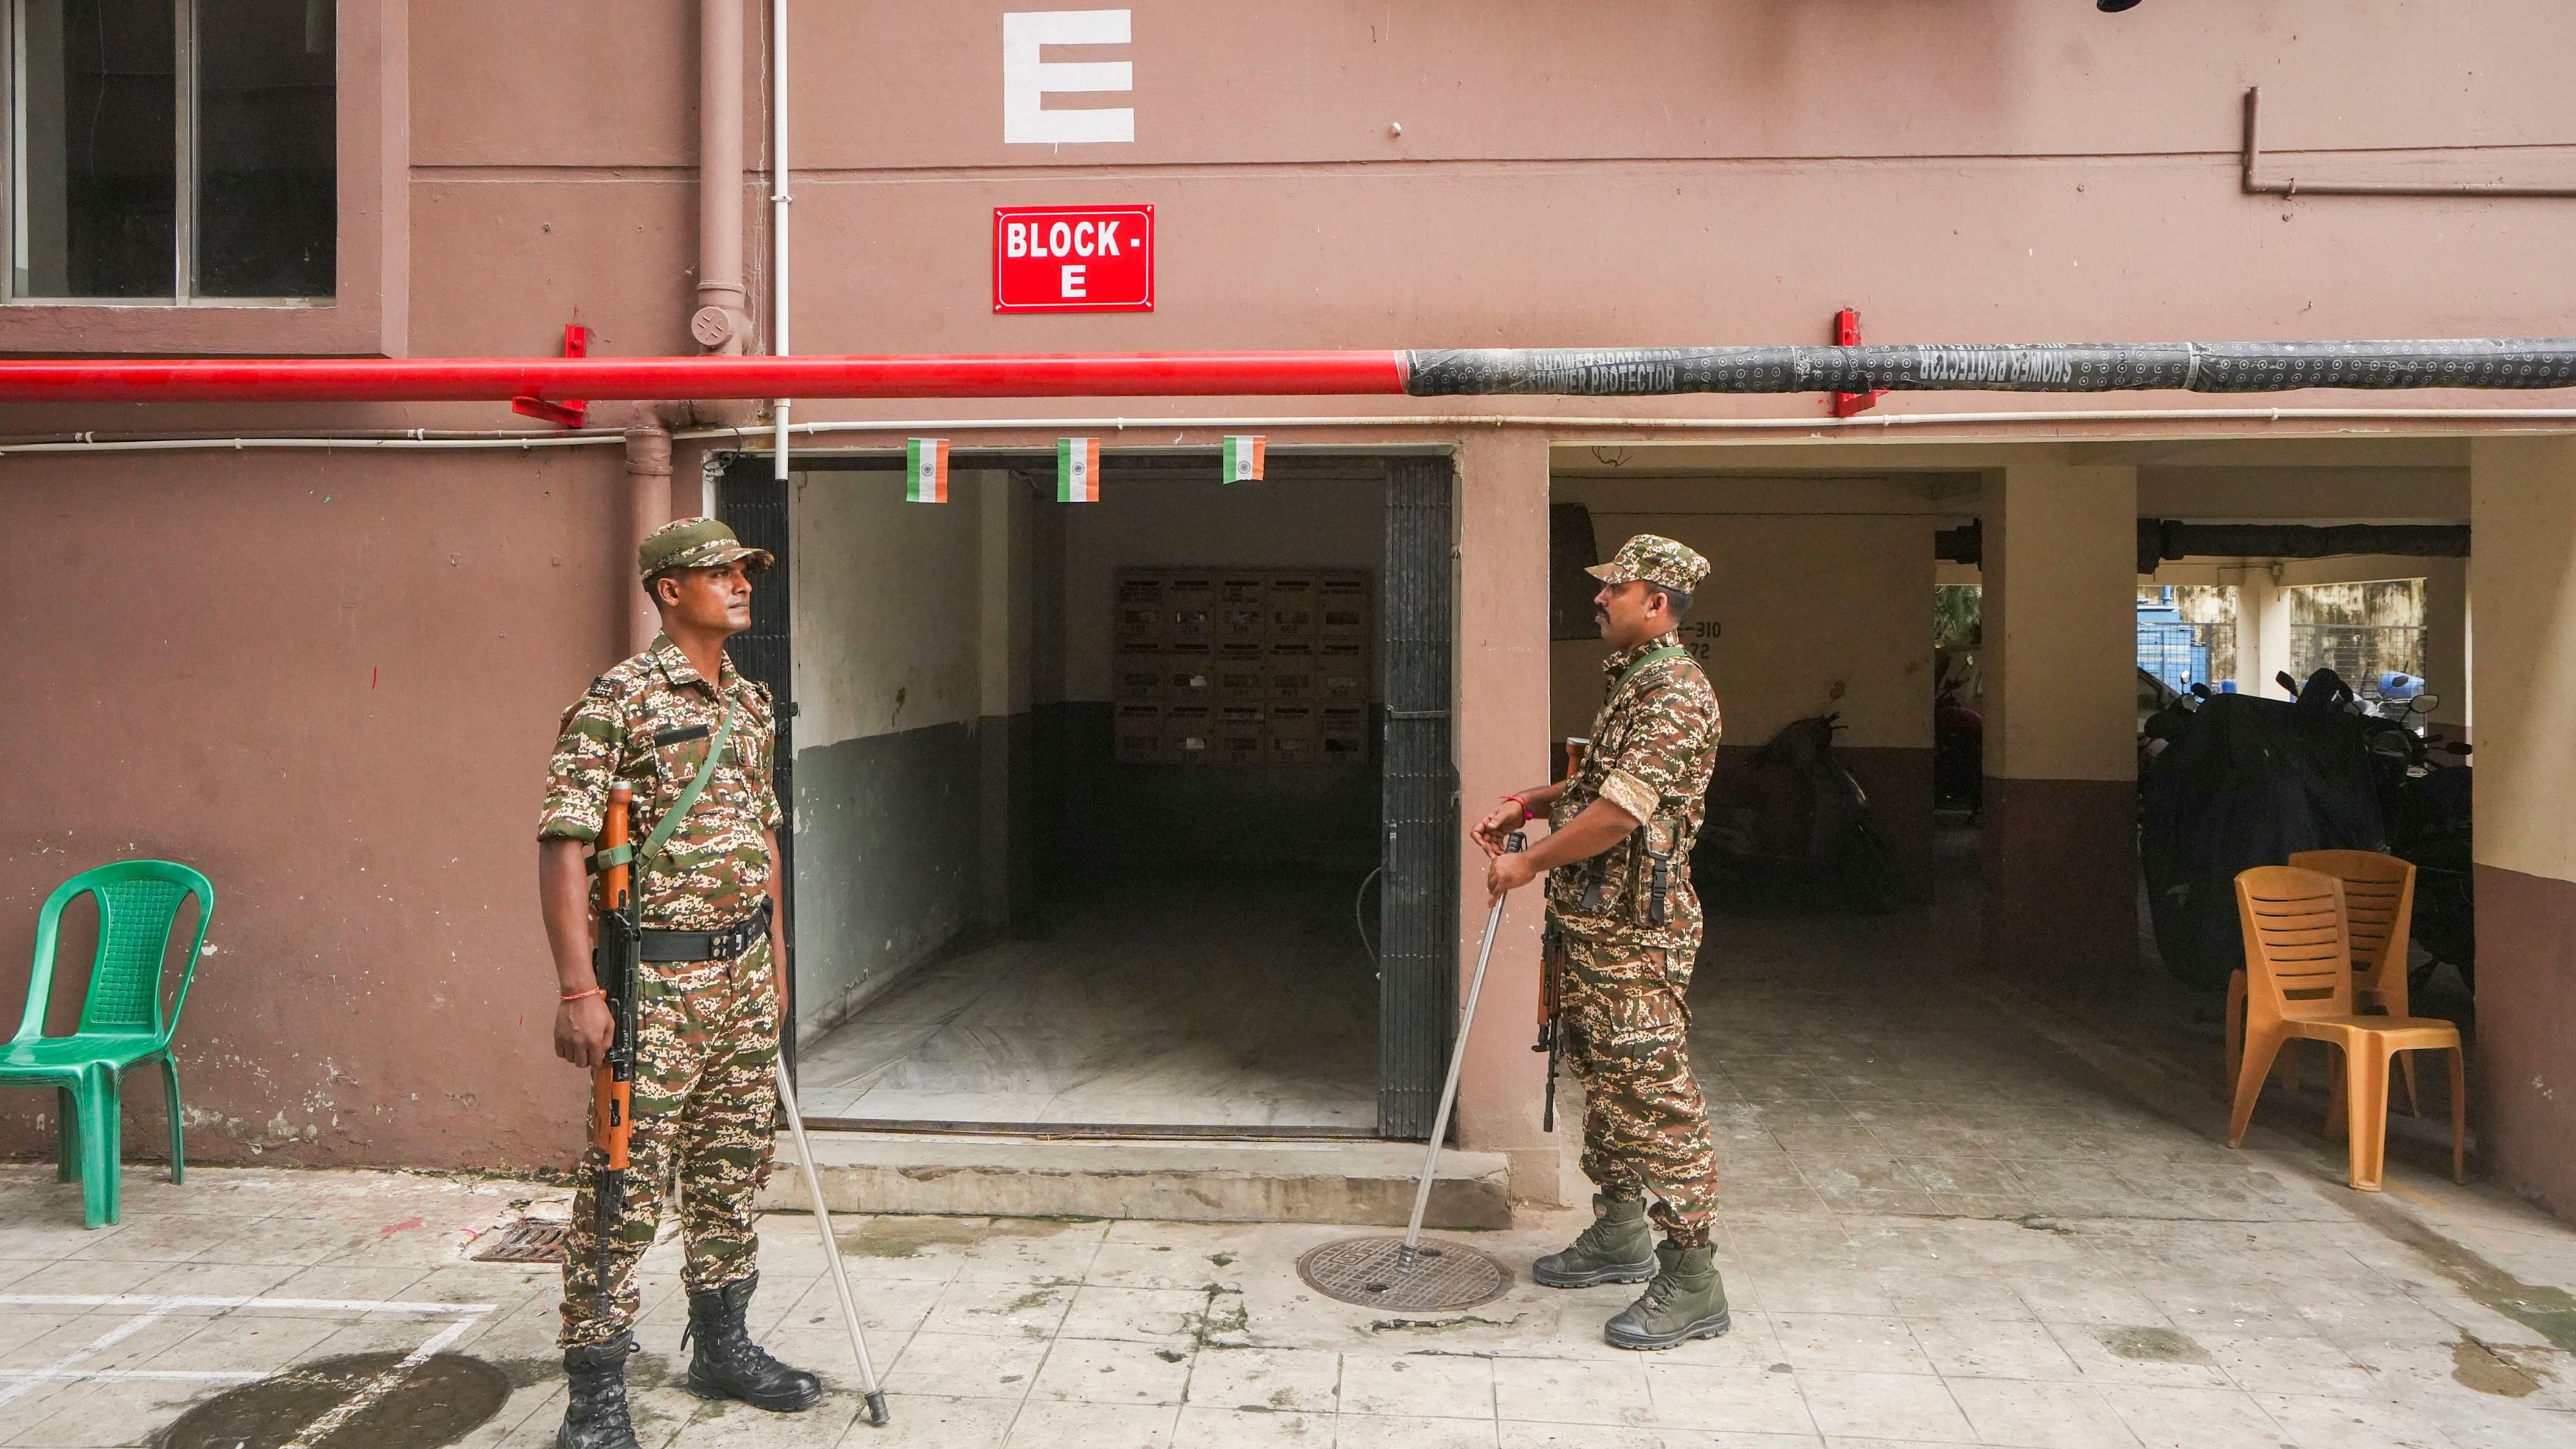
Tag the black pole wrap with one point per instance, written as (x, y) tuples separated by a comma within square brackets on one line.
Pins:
[(2170, 538), (2226, 367)]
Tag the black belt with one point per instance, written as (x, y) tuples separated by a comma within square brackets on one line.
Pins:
[(725, 945)]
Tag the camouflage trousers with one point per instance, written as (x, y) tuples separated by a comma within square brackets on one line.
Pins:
[(705, 1109), (1645, 1124)]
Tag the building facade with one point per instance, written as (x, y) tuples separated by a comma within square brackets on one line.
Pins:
[(324, 665)]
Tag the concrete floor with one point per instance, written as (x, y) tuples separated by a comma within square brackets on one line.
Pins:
[(1227, 1002), (1953, 1213)]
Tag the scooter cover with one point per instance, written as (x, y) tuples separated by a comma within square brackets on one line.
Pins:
[(2248, 782)]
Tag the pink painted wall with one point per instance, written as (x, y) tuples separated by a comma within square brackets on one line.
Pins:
[(331, 686), (1502, 742)]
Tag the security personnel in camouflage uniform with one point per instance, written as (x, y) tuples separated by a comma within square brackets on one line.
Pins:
[(1623, 929), (711, 986)]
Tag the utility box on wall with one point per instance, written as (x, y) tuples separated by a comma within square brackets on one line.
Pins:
[(1257, 667)]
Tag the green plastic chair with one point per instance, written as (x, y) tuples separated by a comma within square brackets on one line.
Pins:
[(121, 1025)]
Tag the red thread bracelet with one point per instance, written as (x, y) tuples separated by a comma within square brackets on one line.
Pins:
[(1527, 814), (573, 996)]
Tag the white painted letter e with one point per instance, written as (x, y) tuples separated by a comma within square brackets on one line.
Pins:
[(1027, 80)]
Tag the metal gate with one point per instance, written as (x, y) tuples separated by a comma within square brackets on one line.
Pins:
[(1418, 914), (754, 505)]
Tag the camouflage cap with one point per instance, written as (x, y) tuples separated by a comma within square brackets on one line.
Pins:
[(1656, 560), (695, 543)]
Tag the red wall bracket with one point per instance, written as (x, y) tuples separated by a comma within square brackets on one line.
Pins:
[(1847, 334), (570, 413)]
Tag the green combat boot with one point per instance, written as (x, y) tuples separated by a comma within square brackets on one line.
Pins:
[(1685, 1301), (1617, 1248)]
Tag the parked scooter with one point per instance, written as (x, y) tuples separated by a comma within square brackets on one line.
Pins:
[(2230, 781), (1792, 813), (2424, 808)]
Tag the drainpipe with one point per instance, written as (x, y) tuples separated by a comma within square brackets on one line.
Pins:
[(778, 202), (648, 492), (722, 320)]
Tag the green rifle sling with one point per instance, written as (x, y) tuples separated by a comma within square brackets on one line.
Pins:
[(671, 818), (1651, 656)]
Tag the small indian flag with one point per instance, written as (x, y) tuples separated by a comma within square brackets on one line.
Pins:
[(1244, 457), (925, 470), (1077, 470)]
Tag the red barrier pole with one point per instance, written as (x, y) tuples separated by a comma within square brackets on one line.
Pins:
[(470, 379)]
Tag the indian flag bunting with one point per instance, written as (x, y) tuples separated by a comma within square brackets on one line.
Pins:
[(1244, 457), (925, 470), (1077, 470)]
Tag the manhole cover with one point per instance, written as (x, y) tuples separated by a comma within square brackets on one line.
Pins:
[(1368, 1271), (525, 1241), (440, 1401)]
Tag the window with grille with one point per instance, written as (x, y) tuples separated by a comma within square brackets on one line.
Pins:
[(2361, 631)]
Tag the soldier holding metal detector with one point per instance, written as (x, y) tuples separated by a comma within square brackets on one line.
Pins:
[(1623, 930), (678, 1013)]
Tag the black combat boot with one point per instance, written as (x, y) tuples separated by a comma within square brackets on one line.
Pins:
[(728, 1365), (595, 1413)]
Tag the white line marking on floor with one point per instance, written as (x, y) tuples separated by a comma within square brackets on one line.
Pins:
[(151, 1308), (379, 1386), (164, 1304), (171, 1375), (100, 1344)]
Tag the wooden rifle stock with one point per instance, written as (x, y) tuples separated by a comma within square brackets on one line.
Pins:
[(615, 955)]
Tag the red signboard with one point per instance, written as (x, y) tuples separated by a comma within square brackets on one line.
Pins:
[(1073, 259)]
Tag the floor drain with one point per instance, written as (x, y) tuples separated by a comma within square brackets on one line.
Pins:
[(525, 1241), (438, 1402), (1369, 1272)]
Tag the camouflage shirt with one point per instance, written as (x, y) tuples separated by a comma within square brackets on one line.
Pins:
[(650, 721), (1653, 745)]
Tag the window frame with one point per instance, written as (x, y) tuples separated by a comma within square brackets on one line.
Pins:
[(183, 66), (370, 314)]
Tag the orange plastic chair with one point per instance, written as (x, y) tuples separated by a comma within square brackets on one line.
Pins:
[(2379, 905), (2379, 911), (2299, 984)]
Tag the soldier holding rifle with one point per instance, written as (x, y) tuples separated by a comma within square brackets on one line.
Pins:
[(692, 741), (1623, 930)]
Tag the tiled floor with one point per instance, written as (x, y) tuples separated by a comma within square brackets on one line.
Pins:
[(1223, 1002), (1951, 1215)]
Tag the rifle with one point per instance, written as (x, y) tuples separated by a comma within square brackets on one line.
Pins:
[(616, 953), (1551, 1003), (1551, 1028)]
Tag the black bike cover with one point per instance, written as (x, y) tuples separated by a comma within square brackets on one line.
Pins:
[(2247, 782)]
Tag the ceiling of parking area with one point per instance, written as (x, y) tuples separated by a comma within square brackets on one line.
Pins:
[(2317, 480)]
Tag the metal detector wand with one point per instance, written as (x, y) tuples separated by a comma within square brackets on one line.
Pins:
[(832, 1250), (1449, 1089)]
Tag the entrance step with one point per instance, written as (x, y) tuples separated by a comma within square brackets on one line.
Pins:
[(1358, 1182)]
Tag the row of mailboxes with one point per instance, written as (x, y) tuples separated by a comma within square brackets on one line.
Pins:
[(1204, 606), (1242, 666), (1243, 734), (1242, 673)]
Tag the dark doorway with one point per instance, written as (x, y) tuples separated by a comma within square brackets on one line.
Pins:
[(1036, 917)]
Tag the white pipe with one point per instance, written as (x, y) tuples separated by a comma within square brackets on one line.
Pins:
[(1632, 426), (176, 445), (1628, 429), (840, 1272), (778, 203), (1404, 1257)]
